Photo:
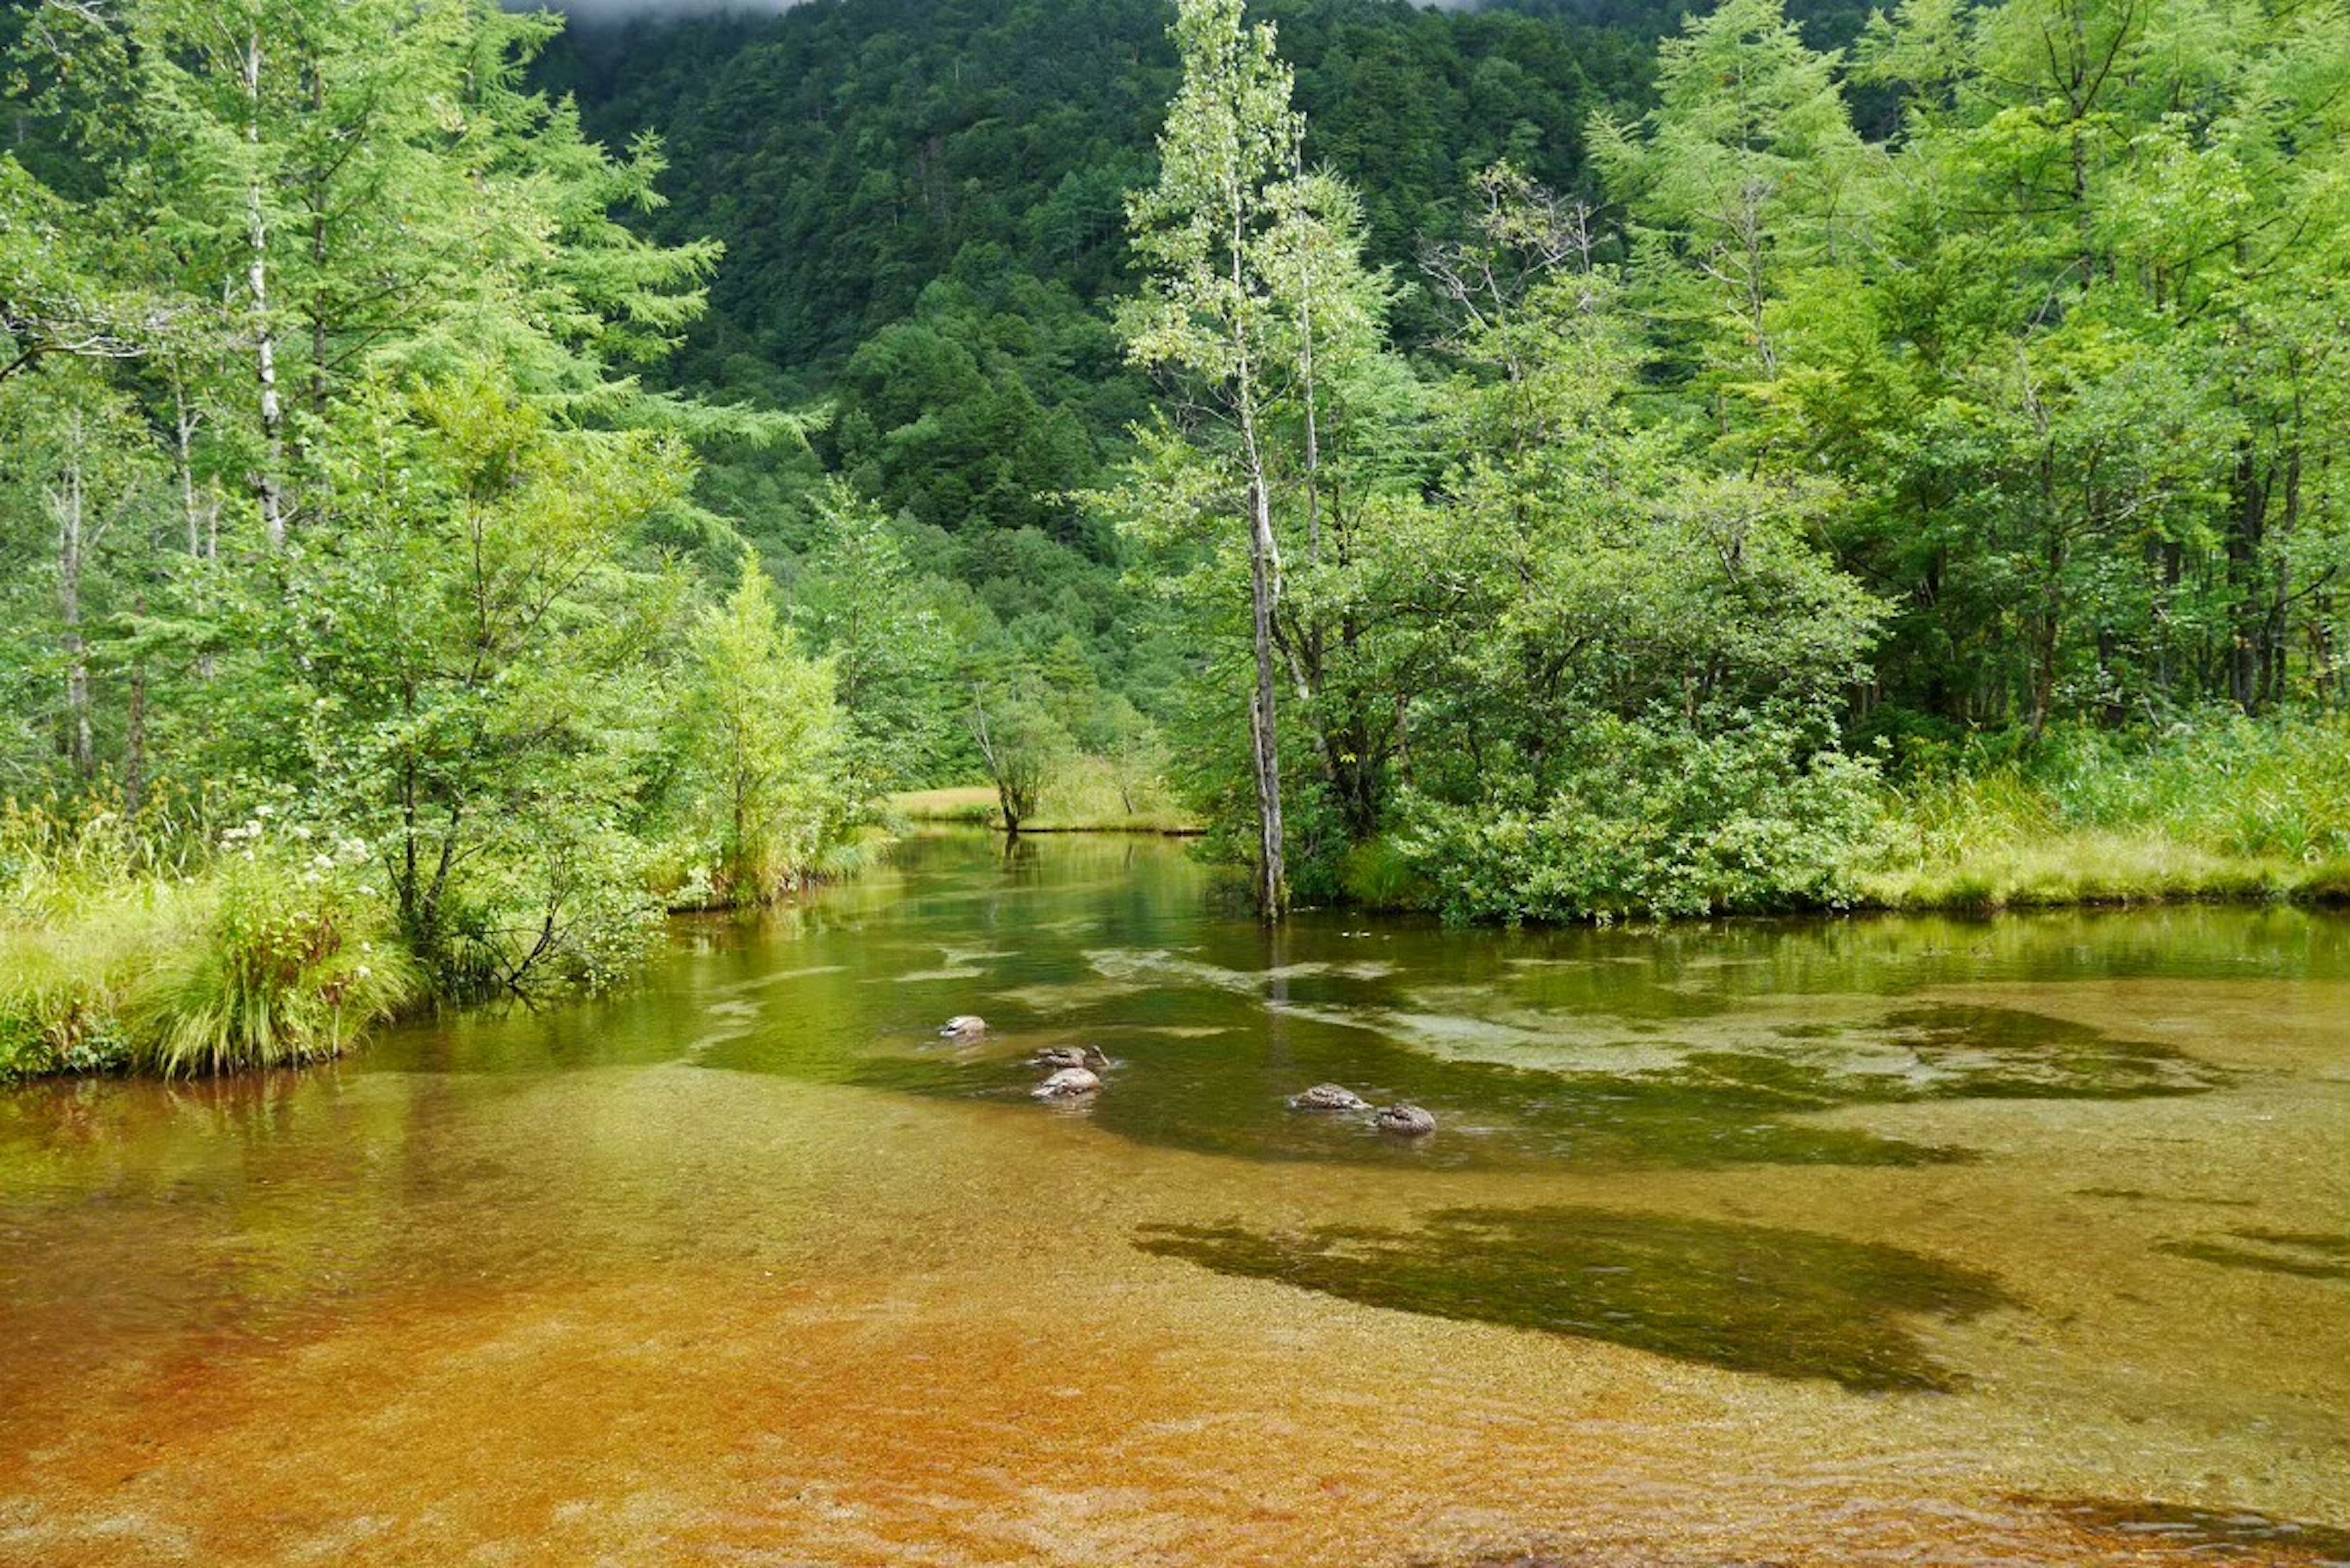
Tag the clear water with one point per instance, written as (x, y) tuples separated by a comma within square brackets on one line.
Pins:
[(1946, 1241)]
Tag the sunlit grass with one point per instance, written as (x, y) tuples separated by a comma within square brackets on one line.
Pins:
[(2227, 809), (116, 952), (1086, 796)]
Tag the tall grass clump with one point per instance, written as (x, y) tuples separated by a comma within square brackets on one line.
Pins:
[(1098, 792), (296, 956), (85, 896), (2221, 807)]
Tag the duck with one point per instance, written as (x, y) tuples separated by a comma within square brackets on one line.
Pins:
[(1090, 1057), (1329, 1097), (1069, 1083), (964, 1026), (1404, 1121)]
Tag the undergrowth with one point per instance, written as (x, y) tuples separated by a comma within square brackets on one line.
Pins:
[(125, 942), (2222, 808)]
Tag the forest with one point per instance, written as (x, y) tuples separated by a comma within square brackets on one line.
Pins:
[(470, 488)]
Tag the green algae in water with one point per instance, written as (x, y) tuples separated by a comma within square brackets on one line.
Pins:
[(1751, 1298), (1581, 1049), (1226, 1092), (1215, 1095)]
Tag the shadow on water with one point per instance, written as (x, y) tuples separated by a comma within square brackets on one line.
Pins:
[(1752, 1298), (2209, 1535), (2307, 1254)]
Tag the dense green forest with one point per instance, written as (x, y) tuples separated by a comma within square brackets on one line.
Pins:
[(466, 488)]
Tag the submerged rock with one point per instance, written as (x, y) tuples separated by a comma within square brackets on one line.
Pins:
[(1405, 1121), (1328, 1097), (964, 1026), (1069, 1083)]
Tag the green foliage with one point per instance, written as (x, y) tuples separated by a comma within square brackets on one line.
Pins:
[(376, 528), (1652, 818), (764, 736), (1022, 747), (469, 671), (295, 956), (891, 640)]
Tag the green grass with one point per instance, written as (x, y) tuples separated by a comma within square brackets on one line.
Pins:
[(2225, 809), (290, 966), (113, 957), (974, 804), (1083, 797), (66, 976)]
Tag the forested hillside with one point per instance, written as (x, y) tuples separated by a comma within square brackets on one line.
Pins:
[(2027, 310), (463, 489)]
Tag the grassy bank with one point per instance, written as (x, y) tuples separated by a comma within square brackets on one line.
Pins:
[(1085, 798), (2223, 809), (125, 945)]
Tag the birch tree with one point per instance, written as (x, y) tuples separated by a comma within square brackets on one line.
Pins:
[(1248, 270)]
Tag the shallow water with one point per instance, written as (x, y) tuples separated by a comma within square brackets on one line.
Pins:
[(1921, 1240)]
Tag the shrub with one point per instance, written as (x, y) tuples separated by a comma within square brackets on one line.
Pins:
[(1653, 819)]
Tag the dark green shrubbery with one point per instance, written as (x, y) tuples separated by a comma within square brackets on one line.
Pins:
[(1652, 820)]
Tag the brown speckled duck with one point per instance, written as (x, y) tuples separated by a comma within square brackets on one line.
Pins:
[(1328, 1097), (1069, 1083), (1404, 1121), (964, 1026)]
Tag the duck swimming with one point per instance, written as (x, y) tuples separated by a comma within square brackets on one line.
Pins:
[(1069, 1083), (964, 1026), (1090, 1057), (1404, 1121), (1329, 1097)]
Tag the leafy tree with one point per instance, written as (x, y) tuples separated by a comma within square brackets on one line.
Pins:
[(765, 734), (1219, 234), (467, 670), (891, 646), (1020, 742)]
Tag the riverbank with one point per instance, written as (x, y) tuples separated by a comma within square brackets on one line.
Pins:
[(2092, 869), (275, 947), (2224, 811), (975, 805)]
